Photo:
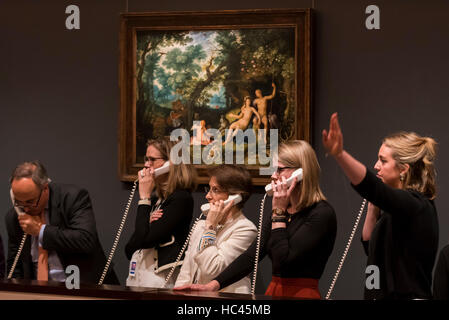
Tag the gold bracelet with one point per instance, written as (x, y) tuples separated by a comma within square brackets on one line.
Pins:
[(279, 219)]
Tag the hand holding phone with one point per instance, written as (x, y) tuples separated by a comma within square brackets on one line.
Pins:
[(30, 224), (236, 198), (297, 174), (146, 179), (218, 213)]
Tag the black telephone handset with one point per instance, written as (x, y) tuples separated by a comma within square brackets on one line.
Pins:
[(157, 172)]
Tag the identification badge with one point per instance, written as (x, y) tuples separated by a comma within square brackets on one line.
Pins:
[(132, 269)]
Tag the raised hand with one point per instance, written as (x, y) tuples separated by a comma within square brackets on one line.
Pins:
[(333, 140)]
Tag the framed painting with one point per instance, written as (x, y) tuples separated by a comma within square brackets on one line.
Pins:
[(214, 76)]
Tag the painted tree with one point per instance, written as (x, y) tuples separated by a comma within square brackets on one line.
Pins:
[(268, 56), (149, 53)]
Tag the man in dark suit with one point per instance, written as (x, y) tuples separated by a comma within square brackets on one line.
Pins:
[(60, 224)]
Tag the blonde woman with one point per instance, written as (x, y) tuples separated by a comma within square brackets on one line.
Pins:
[(400, 234), (298, 234), (163, 217), (224, 234)]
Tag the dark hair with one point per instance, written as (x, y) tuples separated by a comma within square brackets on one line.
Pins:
[(234, 180), (31, 169)]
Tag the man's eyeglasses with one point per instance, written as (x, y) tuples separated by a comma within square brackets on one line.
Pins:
[(151, 159), (213, 190), (28, 204)]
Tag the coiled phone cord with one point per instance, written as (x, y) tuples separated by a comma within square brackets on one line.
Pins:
[(16, 259), (259, 236), (119, 232), (182, 250), (348, 245)]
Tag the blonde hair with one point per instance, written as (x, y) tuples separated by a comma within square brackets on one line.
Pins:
[(299, 154), (180, 176), (419, 153)]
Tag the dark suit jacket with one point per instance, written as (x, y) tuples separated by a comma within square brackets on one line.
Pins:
[(71, 232)]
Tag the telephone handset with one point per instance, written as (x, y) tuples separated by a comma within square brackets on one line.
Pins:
[(24, 237), (234, 197), (18, 210), (157, 172), (295, 175), (164, 169)]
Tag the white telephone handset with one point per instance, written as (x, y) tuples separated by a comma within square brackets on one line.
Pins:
[(18, 210), (236, 197), (295, 175), (159, 171), (164, 169)]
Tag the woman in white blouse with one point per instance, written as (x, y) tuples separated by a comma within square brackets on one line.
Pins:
[(225, 233)]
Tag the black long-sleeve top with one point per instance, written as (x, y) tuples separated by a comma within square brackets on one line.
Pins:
[(299, 251), (175, 221), (2, 260), (441, 276), (404, 242)]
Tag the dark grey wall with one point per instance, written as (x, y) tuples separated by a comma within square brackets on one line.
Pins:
[(59, 100)]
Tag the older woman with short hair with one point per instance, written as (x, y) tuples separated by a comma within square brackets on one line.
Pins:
[(224, 234)]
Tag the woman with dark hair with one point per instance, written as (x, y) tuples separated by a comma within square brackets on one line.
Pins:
[(163, 217), (224, 234), (400, 233)]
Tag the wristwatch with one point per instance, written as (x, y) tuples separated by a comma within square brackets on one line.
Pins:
[(277, 212)]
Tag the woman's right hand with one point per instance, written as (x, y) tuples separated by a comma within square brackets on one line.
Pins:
[(146, 182), (211, 286), (218, 213), (333, 140)]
